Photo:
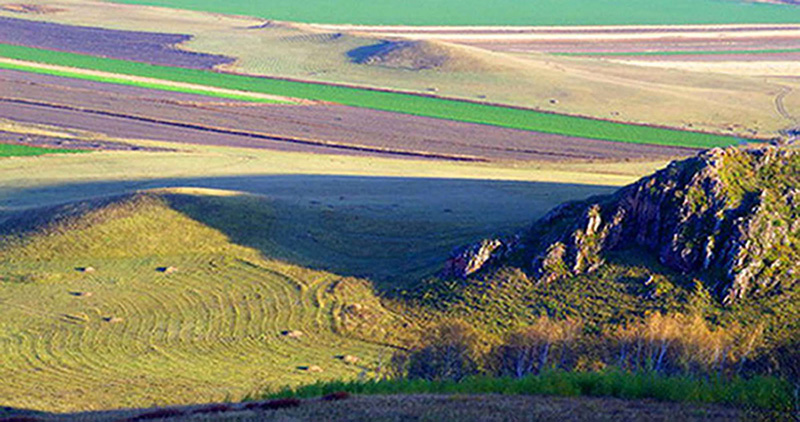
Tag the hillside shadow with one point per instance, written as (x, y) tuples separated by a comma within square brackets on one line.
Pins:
[(386, 229), (362, 55)]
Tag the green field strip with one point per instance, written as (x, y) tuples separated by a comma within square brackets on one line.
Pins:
[(13, 150), (679, 53), (448, 109), (141, 84), (497, 12)]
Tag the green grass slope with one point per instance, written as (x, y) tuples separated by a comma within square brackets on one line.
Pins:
[(89, 321), (12, 150), (502, 12)]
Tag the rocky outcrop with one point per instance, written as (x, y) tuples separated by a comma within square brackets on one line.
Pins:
[(468, 260), (730, 216)]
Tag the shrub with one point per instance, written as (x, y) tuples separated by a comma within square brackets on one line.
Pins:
[(761, 392), (546, 344), (336, 396), (450, 351)]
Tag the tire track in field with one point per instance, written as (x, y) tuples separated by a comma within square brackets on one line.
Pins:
[(780, 107)]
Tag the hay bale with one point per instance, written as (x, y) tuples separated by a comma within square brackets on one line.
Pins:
[(314, 368), (87, 270), (167, 270), (113, 320), (350, 359), (81, 294), (292, 333)]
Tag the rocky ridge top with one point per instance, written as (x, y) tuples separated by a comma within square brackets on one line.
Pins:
[(731, 217)]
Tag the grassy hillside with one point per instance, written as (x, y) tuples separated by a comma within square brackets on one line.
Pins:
[(130, 302), (212, 328), (387, 101), (504, 12)]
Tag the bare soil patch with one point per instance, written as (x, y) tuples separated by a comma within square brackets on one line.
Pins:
[(147, 47), (31, 9), (323, 128)]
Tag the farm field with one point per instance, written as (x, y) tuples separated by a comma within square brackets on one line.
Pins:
[(386, 101), (181, 118), (127, 45), (743, 106), (500, 13), (758, 50)]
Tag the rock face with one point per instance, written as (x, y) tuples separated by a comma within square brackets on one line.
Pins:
[(729, 216), (466, 261)]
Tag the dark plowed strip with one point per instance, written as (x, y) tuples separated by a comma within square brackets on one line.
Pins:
[(140, 113), (148, 47)]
